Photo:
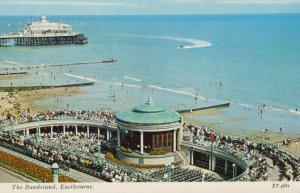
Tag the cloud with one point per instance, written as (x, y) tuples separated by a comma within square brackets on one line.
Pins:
[(67, 3), (258, 1)]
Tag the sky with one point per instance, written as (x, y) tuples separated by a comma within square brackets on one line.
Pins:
[(146, 7)]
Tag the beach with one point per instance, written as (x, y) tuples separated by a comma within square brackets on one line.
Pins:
[(20, 101), (12, 76)]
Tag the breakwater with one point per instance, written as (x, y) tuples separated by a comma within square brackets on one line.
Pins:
[(60, 65), (12, 73), (223, 105), (24, 88)]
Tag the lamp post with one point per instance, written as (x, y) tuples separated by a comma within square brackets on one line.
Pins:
[(55, 172), (233, 171), (296, 153)]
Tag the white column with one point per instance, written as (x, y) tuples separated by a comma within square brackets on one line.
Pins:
[(76, 130), (27, 132), (107, 135), (51, 130), (192, 157), (209, 163), (174, 140), (225, 167), (142, 142), (131, 134), (64, 130), (179, 137), (39, 130), (119, 140), (98, 132), (213, 163), (88, 131), (24, 133)]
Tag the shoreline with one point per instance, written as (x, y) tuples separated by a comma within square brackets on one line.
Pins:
[(25, 101)]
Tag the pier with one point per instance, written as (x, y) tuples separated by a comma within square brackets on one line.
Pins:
[(41, 39)]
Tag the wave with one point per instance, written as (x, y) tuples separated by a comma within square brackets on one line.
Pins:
[(10, 62), (195, 43), (99, 81), (294, 112), (131, 78), (272, 108), (245, 105), (128, 85), (81, 77), (176, 91)]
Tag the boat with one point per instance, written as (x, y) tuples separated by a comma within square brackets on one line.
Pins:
[(43, 32)]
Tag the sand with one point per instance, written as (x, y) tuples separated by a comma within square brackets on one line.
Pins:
[(20, 101), (205, 112), (13, 76)]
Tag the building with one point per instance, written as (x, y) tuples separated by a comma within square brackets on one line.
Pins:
[(148, 134), (43, 33)]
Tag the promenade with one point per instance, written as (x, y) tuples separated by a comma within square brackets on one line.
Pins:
[(71, 173), (8, 177)]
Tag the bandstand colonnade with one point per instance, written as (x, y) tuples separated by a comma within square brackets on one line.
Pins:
[(100, 129)]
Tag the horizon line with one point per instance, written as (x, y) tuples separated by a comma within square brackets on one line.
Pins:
[(175, 14)]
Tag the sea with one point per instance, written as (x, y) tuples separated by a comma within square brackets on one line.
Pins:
[(184, 61)]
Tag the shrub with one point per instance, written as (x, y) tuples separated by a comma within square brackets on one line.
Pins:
[(126, 150), (157, 152), (28, 169)]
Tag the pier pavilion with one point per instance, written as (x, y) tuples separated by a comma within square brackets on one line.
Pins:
[(148, 134)]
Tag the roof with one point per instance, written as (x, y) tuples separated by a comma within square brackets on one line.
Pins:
[(148, 114)]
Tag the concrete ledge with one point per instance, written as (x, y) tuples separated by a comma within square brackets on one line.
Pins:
[(146, 158)]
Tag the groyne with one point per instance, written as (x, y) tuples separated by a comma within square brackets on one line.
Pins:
[(60, 65), (24, 88), (12, 73), (223, 105)]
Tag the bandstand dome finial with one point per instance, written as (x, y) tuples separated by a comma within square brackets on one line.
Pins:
[(150, 100)]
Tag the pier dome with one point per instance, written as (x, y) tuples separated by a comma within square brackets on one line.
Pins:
[(148, 114), (43, 18)]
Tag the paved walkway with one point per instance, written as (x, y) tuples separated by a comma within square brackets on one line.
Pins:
[(82, 177), (205, 171), (8, 177), (273, 171)]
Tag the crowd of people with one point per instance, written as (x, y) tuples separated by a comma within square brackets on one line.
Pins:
[(98, 115), (78, 151), (254, 153)]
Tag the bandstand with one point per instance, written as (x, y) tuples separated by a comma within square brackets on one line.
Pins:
[(148, 134)]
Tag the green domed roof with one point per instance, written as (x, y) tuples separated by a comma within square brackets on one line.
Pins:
[(148, 114), (148, 108)]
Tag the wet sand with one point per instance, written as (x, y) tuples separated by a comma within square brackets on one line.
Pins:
[(20, 101), (205, 112), (13, 76)]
